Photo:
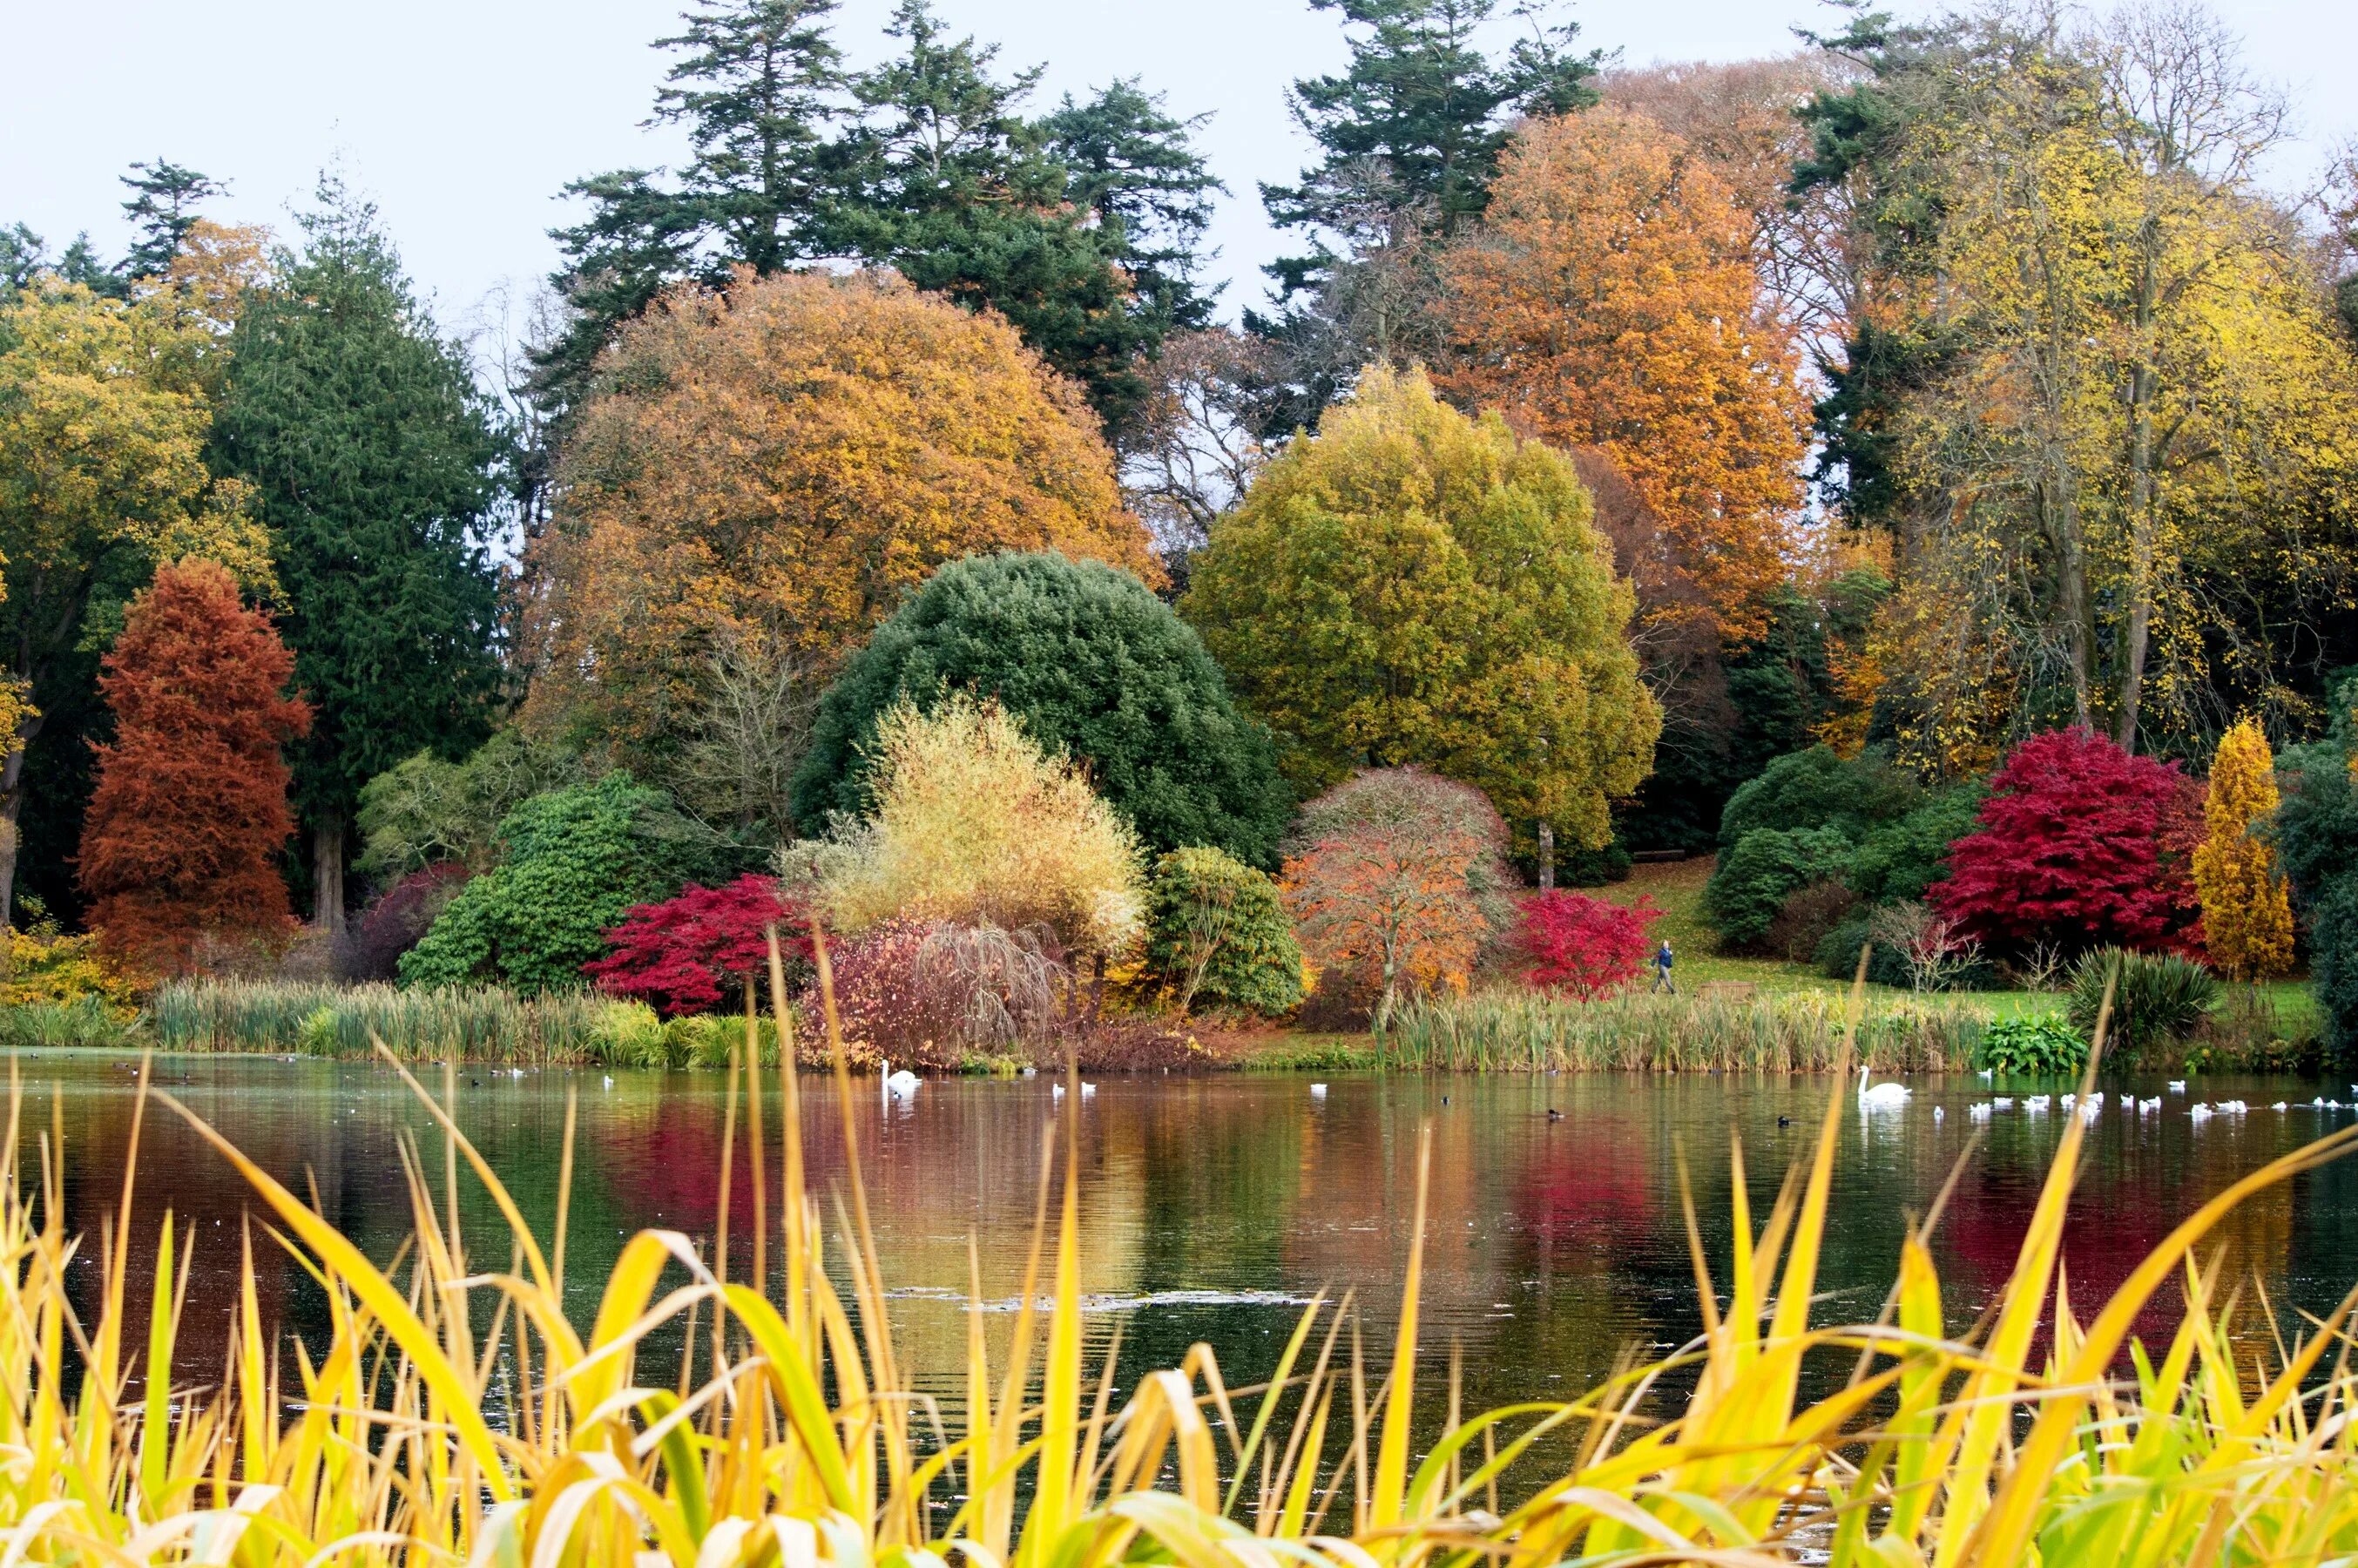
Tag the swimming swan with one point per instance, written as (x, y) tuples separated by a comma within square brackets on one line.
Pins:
[(1882, 1096)]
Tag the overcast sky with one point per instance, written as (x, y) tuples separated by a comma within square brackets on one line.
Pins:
[(462, 118)]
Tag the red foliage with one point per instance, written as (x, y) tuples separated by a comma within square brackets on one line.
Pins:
[(2080, 843), (178, 850), (399, 921), (1570, 942), (676, 955)]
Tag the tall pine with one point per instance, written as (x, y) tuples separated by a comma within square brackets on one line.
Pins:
[(371, 455)]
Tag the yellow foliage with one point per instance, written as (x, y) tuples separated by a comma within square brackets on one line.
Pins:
[(974, 823), (767, 472), (46, 968), (2247, 911)]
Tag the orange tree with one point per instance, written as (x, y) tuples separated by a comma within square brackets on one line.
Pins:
[(2246, 907), (760, 477), (185, 825), (1611, 302)]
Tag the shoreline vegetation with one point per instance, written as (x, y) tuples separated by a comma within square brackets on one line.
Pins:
[(436, 1425)]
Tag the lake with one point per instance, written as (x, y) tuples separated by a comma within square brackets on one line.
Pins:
[(1213, 1207)]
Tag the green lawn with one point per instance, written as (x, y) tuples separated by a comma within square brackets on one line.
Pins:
[(1676, 889)]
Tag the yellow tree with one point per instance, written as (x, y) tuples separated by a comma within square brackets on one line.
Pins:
[(2246, 909), (1413, 586), (1611, 300), (760, 477)]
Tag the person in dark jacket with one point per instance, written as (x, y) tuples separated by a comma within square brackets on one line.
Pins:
[(1664, 959)]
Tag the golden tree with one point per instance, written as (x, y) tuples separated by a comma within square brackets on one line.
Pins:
[(2246, 911), (1611, 302), (763, 474)]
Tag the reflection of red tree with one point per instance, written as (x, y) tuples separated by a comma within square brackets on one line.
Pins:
[(1568, 1195), (1980, 1239)]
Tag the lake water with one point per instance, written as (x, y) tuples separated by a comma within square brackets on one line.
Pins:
[(1212, 1207)]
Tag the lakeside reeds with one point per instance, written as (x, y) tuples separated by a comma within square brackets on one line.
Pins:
[(455, 1415), (293, 1018), (1798, 1032)]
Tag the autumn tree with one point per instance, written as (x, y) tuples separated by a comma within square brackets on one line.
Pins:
[(369, 451), (1394, 878), (2246, 906), (1610, 300), (102, 430), (766, 473), (1413, 586), (180, 852)]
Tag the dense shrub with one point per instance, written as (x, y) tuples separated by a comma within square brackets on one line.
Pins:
[(2160, 996), (1398, 874), (2079, 843), (189, 814), (1217, 934), (1837, 953), (2043, 1044), (425, 810), (974, 825), (1091, 664), (42, 967), (693, 952), (1806, 916), (1750, 884), (1901, 859), (926, 993), (1817, 788), (398, 920), (2315, 833), (576, 859), (1580, 946)]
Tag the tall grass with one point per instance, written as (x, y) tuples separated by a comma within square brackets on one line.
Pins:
[(788, 1436), (317, 1019), (1798, 1032), (86, 1023)]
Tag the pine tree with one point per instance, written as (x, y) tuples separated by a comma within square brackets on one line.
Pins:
[(163, 209), (181, 849), (370, 452), (2246, 906)]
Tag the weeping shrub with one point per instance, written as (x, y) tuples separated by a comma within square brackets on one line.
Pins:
[(2160, 996)]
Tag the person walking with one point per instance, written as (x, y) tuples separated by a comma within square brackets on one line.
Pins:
[(1664, 959)]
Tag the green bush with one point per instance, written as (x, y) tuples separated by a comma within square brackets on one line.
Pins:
[(1093, 665), (1817, 789), (1207, 908), (626, 1035), (2161, 997), (2043, 1044), (1899, 859), (1837, 954), (2316, 837), (576, 860), (1769, 865)]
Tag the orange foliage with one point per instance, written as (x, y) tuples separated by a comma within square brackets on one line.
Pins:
[(190, 811), (1611, 302), (765, 472)]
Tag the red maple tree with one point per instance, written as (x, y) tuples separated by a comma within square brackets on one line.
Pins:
[(2080, 843), (676, 955), (1570, 942), (190, 811)]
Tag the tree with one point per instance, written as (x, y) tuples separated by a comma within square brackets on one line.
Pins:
[(1570, 942), (1092, 665), (1217, 932), (677, 956), (102, 427), (371, 454), (974, 824), (1817, 788), (191, 810), (1610, 300), (2246, 908), (1394, 877), (1411, 586), (2315, 835), (2079, 843), (1751, 882), (425, 810), (575, 862), (162, 210), (764, 476)]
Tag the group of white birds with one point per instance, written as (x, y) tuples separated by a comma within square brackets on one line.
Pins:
[(1894, 1097)]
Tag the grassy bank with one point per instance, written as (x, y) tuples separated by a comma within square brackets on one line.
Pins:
[(456, 1416)]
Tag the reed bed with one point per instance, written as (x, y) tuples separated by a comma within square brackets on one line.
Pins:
[(785, 1438), (1802, 1031), (286, 1017)]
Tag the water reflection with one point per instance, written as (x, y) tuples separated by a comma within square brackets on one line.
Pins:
[(1210, 1207)]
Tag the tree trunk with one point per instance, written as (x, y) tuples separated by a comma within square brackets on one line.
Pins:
[(2143, 529), (12, 808), (1547, 857), (327, 875)]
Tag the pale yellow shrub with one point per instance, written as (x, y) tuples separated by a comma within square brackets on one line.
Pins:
[(974, 823)]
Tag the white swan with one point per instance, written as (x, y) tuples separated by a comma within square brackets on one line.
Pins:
[(2177, 1086), (904, 1084), (1979, 1112), (1882, 1096)]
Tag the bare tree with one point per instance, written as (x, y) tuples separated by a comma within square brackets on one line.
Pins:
[(752, 727), (1198, 442)]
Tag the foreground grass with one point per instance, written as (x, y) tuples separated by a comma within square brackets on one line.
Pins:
[(455, 1415)]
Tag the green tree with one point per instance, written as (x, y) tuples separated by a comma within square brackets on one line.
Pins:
[(1217, 932), (1415, 587), (162, 208), (371, 453), (1092, 665)]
